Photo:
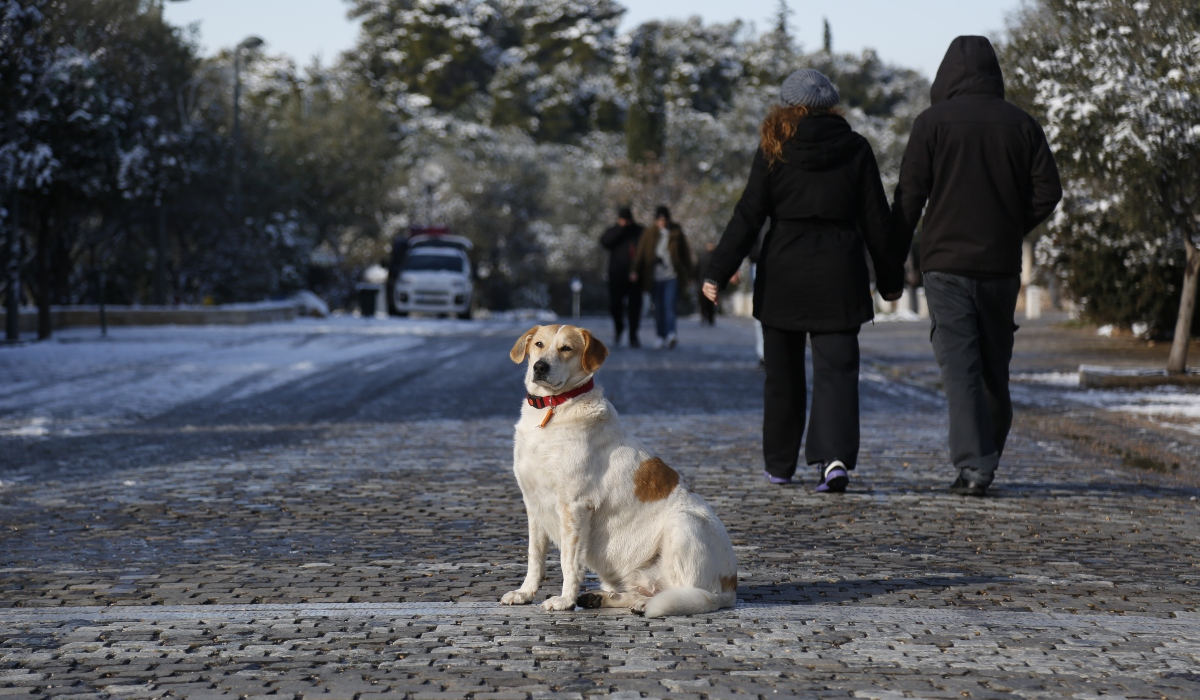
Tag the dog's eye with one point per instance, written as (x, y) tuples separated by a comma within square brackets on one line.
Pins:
[(539, 344), (565, 348)]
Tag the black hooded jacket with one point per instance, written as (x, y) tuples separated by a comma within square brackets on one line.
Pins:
[(981, 163), (621, 242), (825, 201)]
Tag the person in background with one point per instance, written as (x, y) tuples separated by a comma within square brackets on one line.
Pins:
[(708, 310), (624, 294), (987, 172), (663, 263), (818, 183)]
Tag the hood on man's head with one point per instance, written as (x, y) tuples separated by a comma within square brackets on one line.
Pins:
[(969, 68)]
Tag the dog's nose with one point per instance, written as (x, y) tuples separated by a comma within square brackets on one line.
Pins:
[(540, 368)]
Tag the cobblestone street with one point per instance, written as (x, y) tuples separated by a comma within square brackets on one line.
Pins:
[(348, 535)]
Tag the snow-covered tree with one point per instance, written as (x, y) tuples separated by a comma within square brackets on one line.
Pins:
[(554, 77), (25, 160), (418, 54), (1117, 84)]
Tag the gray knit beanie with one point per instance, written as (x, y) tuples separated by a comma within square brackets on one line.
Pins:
[(810, 88)]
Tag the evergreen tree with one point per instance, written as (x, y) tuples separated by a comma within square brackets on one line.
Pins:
[(426, 53), (774, 55), (645, 125), (703, 65), (556, 70), (1117, 85)]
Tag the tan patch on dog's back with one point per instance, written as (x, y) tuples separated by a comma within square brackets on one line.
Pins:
[(729, 583), (654, 480)]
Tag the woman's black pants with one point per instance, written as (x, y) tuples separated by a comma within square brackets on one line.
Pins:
[(833, 427)]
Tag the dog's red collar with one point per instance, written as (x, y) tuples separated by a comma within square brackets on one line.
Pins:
[(559, 399)]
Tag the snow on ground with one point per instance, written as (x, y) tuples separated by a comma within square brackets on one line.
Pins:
[(1051, 378), (79, 382), (1172, 406), (900, 315)]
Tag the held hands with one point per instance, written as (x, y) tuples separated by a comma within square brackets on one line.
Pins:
[(893, 296), (710, 292)]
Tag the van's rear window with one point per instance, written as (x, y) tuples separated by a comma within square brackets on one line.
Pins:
[(448, 263)]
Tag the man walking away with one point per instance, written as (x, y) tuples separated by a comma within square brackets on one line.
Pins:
[(621, 241), (986, 171)]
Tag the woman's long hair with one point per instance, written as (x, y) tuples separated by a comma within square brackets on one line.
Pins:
[(780, 126)]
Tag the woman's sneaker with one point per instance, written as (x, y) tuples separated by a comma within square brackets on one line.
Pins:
[(834, 476), (777, 480)]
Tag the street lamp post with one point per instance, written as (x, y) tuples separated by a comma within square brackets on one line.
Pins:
[(249, 43)]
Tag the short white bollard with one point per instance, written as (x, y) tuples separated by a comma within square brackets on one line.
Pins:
[(576, 289), (743, 303), (922, 303), (1033, 302)]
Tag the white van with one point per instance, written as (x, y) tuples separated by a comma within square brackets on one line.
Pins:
[(434, 277)]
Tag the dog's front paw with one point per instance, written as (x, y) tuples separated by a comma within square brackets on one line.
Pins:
[(516, 598), (558, 603)]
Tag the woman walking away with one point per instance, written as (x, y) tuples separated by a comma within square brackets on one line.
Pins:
[(664, 263), (818, 183)]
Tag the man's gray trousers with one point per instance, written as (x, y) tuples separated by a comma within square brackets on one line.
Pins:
[(973, 341)]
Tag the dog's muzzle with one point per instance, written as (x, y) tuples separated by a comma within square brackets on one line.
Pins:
[(540, 369)]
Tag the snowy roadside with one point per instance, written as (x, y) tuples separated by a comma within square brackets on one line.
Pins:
[(79, 383), (1168, 406)]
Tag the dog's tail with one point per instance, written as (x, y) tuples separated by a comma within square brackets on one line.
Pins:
[(688, 601)]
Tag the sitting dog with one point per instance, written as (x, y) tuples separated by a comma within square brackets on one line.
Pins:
[(603, 498)]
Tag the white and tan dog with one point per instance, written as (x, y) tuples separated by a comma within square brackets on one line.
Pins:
[(604, 499)]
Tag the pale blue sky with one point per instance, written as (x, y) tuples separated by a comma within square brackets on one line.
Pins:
[(913, 33)]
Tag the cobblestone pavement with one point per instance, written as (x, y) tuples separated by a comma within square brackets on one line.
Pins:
[(349, 536)]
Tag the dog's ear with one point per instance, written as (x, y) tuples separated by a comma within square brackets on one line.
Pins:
[(521, 348), (594, 352)]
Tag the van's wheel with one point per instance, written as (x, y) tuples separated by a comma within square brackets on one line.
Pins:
[(465, 315), (401, 314)]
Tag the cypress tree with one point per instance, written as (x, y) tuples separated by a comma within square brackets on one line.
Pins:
[(645, 126)]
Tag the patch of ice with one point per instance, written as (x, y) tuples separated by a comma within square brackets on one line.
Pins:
[(1050, 378), (79, 383), (32, 427), (1106, 330)]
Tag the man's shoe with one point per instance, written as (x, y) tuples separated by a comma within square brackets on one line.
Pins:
[(672, 340), (834, 477), (962, 487), (660, 343), (634, 342), (777, 480)]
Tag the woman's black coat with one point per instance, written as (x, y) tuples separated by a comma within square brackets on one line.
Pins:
[(824, 200)]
